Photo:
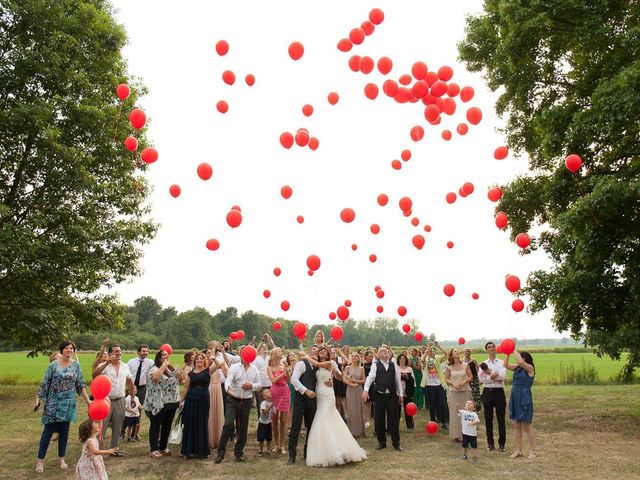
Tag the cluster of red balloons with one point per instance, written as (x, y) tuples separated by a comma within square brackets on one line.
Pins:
[(100, 388), (228, 77), (239, 335), (301, 138), (358, 34)]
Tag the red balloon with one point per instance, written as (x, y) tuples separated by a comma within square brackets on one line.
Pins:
[(380, 293), (522, 240), (448, 106), (573, 163), (277, 271), (418, 336), (439, 88), (499, 349), (449, 244), (266, 293), (446, 135), (345, 45), (296, 50), (419, 70), (376, 16), (445, 73), (461, 341), (517, 305), (314, 143), (475, 296), (222, 47), (466, 94), (405, 204), (418, 241), (405, 155), (233, 335), (385, 64), (371, 91), (354, 63), (343, 312), (432, 428), (494, 194), (501, 220), (313, 262), (383, 199), (411, 409), (373, 258), (222, 106), (347, 215), (302, 137), (285, 305), (402, 310), (431, 113), (347, 303), (427, 228), (474, 115), (149, 155), (307, 110), (250, 79), (205, 171), (396, 165), (403, 95), (228, 77), (462, 129), (99, 409), (366, 65), (333, 98), (286, 140), (390, 88), (420, 89), (501, 153), (286, 192), (167, 348), (123, 91), (356, 36), (354, 247), (240, 334), (213, 244), (332, 315), (137, 118), (508, 345), (451, 197), (336, 332), (416, 133), (367, 27), (405, 79), (379, 309), (299, 329), (100, 387), (453, 89), (277, 326), (431, 78), (375, 228), (174, 191), (462, 193), (449, 290), (131, 143), (415, 221), (249, 353), (234, 218), (512, 283), (406, 328)]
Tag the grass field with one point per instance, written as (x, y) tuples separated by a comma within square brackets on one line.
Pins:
[(17, 368), (583, 432)]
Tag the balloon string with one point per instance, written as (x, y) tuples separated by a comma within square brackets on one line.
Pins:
[(115, 133), (583, 193)]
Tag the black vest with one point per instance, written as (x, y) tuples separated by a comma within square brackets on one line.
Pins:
[(385, 379), (308, 378)]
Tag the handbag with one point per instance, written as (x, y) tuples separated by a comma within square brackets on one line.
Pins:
[(175, 437)]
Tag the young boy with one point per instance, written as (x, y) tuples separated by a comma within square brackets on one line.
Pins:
[(132, 418), (469, 419), (264, 422)]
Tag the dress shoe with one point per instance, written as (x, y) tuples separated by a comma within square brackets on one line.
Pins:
[(291, 460), (240, 458), (380, 446), (398, 447), (219, 458)]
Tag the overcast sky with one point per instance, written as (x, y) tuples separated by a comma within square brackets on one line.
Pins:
[(172, 49)]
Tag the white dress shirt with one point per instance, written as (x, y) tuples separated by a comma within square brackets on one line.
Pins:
[(372, 376), (261, 364), (231, 360), (118, 379), (298, 370), (237, 376), (494, 366), (146, 365)]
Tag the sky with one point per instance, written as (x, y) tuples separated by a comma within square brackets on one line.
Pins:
[(172, 50)]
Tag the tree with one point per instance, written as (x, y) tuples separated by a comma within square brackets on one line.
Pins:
[(190, 329), (72, 213), (569, 77)]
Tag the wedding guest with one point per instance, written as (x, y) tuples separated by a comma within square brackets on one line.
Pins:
[(339, 387), (368, 411), (265, 433), (469, 420), (457, 377), (187, 366), (292, 359), (521, 400), (354, 378), (242, 380), (139, 368), (261, 363), (408, 385), (216, 403), (493, 397), (279, 375), (102, 356), (62, 380), (120, 376), (90, 466), (161, 403), (475, 382), (432, 383), (416, 366), (132, 418)]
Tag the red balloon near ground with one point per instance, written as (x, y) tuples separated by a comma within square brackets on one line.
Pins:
[(333, 98), (137, 118), (406, 328), (411, 409), (501, 220), (573, 163), (449, 290), (356, 36), (307, 110), (517, 305), (371, 91), (222, 106), (249, 353), (494, 194), (250, 79), (416, 133), (100, 387), (418, 337), (205, 171), (376, 16), (123, 91), (286, 192), (296, 50), (508, 346), (313, 262), (234, 218), (167, 348), (99, 410), (466, 94), (285, 305), (286, 140), (266, 293), (375, 228), (385, 64), (474, 115), (345, 45), (347, 215), (213, 244), (228, 77), (475, 296), (451, 197), (402, 310), (461, 341), (512, 283), (277, 271), (383, 199), (299, 329), (277, 326), (432, 428), (343, 312), (418, 241), (222, 47), (149, 155), (336, 332), (131, 143), (523, 240), (501, 153)]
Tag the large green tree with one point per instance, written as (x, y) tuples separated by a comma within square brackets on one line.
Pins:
[(568, 73), (72, 212)]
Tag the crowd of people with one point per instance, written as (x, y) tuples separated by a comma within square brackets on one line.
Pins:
[(334, 391)]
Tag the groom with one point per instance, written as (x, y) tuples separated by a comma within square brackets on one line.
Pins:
[(387, 398), (303, 380)]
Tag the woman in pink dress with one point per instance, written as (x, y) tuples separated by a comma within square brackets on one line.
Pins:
[(279, 374), (216, 406)]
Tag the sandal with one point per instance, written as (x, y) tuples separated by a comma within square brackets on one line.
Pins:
[(155, 454), (533, 456), (516, 454), (40, 467), (166, 452)]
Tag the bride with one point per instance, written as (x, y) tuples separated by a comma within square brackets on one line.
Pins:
[(330, 442)]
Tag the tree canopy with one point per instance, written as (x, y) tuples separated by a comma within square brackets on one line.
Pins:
[(568, 73), (72, 211)]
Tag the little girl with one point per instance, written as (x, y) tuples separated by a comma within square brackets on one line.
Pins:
[(91, 466)]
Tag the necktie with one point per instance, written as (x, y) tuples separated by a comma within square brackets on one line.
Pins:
[(137, 380)]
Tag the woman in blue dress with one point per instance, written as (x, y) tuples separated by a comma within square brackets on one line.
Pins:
[(521, 400)]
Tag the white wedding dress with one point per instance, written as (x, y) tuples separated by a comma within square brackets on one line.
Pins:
[(330, 442)]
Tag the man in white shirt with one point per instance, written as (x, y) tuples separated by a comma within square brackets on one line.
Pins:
[(120, 376), (260, 363), (242, 380), (387, 398), (139, 368), (492, 377)]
